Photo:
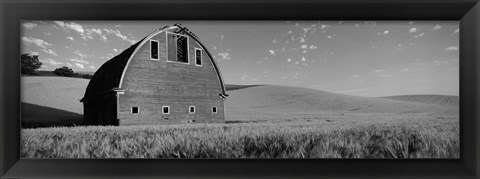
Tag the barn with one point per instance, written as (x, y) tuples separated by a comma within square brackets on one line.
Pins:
[(168, 77)]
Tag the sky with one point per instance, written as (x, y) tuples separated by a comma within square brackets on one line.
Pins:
[(359, 58)]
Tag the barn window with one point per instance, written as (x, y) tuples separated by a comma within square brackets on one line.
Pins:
[(191, 109), (198, 57), (135, 110), (153, 49), (214, 109), (165, 109), (177, 48)]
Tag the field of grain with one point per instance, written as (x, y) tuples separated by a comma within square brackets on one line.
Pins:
[(261, 122)]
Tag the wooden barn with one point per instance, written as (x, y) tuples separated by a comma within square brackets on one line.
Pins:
[(168, 77)]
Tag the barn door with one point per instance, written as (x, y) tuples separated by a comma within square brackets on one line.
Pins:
[(110, 111)]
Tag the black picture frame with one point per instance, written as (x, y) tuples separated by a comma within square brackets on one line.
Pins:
[(13, 11)]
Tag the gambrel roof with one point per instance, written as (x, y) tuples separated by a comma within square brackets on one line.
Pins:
[(109, 76)]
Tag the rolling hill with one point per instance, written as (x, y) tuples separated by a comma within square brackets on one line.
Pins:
[(286, 98), (57, 98), (431, 99)]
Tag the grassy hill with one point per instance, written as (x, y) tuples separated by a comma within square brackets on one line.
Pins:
[(431, 99), (262, 121), (52, 101), (246, 103)]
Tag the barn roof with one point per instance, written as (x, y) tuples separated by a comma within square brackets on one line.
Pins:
[(110, 75)]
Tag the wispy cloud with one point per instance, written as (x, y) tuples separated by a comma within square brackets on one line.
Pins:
[(377, 71), (80, 65), (451, 48), (79, 60), (118, 34), (224, 56), (49, 51), (81, 55), (29, 25), (412, 30), (437, 27), (38, 42), (71, 38), (50, 61), (419, 35), (70, 26), (272, 52), (89, 33)]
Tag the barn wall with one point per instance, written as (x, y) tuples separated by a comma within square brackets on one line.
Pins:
[(151, 84)]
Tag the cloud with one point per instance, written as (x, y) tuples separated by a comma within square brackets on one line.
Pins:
[(437, 62), (224, 56), (385, 32), (89, 33), (221, 39), (70, 26), (79, 65), (97, 31), (59, 23), (451, 48), (81, 55), (304, 46), (34, 53), (74, 26), (380, 73), (51, 52), (437, 27), (38, 42), (29, 25), (48, 33), (272, 52), (79, 60), (412, 30), (71, 38), (69, 64), (244, 77), (456, 31), (323, 26), (289, 60), (115, 50), (377, 71), (302, 40), (50, 61), (119, 34), (92, 67), (419, 35)]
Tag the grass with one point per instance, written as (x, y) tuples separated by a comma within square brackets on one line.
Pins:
[(430, 139), (262, 122)]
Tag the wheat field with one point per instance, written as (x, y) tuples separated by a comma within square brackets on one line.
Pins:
[(261, 122)]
